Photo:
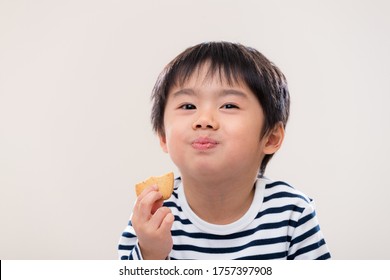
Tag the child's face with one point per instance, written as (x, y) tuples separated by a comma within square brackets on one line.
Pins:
[(212, 128)]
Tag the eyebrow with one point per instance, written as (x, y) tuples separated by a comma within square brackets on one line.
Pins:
[(227, 92), (184, 91), (222, 93)]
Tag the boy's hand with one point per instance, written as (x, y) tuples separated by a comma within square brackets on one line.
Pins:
[(152, 224)]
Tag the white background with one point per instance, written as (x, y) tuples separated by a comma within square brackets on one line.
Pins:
[(75, 136)]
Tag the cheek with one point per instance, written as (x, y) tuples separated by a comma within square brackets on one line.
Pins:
[(173, 137), (244, 129), (175, 146), (246, 135)]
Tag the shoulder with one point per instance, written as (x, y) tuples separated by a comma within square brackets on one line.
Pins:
[(280, 192)]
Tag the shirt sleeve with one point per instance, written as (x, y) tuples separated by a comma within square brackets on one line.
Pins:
[(128, 248), (307, 241)]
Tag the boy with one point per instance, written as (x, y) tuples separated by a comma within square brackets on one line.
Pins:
[(220, 111)]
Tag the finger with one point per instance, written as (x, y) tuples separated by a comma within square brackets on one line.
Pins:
[(158, 217), (146, 191), (157, 205), (144, 207), (167, 223)]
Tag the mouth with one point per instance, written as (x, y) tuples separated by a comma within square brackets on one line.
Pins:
[(204, 143)]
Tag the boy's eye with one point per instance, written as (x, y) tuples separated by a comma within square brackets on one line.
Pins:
[(229, 106), (187, 107)]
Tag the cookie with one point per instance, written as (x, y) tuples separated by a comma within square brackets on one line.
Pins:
[(164, 183)]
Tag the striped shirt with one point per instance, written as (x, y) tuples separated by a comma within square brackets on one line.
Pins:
[(281, 223)]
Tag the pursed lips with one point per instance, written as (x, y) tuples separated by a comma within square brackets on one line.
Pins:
[(204, 143)]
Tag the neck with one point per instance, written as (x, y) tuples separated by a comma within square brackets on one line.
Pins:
[(219, 201)]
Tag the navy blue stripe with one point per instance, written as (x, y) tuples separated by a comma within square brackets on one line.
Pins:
[(325, 256), (137, 252), (277, 183), (306, 218), (305, 235), (277, 210), (272, 256), (307, 249), (225, 250), (128, 234), (283, 195), (285, 223), (125, 247), (175, 195), (184, 221), (266, 226), (172, 205), (124, 258)]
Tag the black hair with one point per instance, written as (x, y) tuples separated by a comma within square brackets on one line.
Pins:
[(236, 63)]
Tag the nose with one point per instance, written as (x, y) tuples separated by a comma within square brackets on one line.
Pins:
[(205, 120)]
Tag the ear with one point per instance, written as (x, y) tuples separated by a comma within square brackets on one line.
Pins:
[(274, 139), (163, 142)]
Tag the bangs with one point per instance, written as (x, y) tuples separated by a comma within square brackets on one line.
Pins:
[(227, 62)]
